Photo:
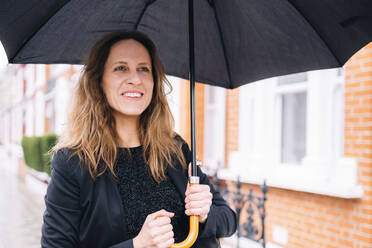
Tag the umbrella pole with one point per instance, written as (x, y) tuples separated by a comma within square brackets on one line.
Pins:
[(194, 179), (192, 87)]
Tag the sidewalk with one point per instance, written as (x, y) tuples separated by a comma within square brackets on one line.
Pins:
[(21, 208)]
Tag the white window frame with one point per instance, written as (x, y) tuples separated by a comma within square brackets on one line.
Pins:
[(29, 106), (323, 170), (39, 113), (218, 109), (174, 98), (6, 125), (16, 124), (19, 77), (29, 74), (40, 75), (62, 95), (57, 70)]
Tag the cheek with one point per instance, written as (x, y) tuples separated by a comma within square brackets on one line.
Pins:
[(152, 91)]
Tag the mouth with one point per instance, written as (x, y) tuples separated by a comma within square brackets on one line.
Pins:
[(132, 95)]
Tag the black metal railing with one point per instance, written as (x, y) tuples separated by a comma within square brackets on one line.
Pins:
[(250, 209)]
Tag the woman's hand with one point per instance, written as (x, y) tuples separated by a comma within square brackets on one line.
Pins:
[(156, 232), (198, 200)]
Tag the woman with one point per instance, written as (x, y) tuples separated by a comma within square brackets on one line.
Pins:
[(119, 174)]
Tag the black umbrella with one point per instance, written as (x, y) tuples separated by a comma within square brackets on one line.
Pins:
[(236, 41)]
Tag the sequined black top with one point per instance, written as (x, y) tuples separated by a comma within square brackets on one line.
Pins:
[(141, 195)]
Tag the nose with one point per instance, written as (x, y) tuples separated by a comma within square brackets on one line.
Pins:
[(134, 78)]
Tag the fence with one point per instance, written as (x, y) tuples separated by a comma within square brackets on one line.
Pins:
[(250, 209)]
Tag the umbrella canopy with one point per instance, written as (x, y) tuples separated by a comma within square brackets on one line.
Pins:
[(236, 41)]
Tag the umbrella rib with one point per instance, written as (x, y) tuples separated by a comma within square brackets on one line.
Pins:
[(223, 48), (31, 36), (316, 31), (142, 13)]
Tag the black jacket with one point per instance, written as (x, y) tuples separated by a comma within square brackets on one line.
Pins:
[(83, 213)]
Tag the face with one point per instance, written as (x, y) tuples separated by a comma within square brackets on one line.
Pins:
[(127, 79)]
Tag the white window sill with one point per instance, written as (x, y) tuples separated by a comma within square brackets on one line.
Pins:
[(295, 183)]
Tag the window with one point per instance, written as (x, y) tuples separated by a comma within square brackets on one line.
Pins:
[(291, 133), (292, 93), (293, 129)]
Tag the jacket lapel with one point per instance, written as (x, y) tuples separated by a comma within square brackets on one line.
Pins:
[(179, 178)]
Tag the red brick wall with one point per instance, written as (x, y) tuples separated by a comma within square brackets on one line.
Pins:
[(358, 135), (232, 123)]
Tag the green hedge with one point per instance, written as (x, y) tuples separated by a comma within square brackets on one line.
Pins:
[(31, 151), (35, 150), (46, 143)]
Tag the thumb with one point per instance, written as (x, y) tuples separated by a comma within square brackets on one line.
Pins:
[(190, 169), (161, 213)]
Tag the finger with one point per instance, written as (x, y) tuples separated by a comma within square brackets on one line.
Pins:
[(197, 211), (158, 231), (198, 197), (190, 169), (169, 242), (161, 239), (198, 204), (160, 213), (199, 188), (166, 244), (160, 221), (187, 189)]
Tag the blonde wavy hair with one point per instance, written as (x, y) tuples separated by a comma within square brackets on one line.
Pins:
[(91, 129)]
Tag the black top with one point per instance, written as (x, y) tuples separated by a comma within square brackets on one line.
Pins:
[(141, 195), (85, 213)]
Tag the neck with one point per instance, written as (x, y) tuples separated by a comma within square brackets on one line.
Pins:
[(127, 130)]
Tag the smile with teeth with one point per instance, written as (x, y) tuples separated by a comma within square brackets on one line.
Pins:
[(132, 94)]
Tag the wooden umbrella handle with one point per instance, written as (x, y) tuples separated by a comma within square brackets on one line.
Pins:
[(194, 225)]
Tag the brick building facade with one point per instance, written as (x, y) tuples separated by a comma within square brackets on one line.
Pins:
[(308, 219)]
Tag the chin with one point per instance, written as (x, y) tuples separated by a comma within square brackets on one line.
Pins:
[(131, 113)]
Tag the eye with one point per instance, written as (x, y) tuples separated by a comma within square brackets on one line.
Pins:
[(144, 68), (121, 68)]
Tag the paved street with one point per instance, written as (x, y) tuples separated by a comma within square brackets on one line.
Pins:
[(21, 208)]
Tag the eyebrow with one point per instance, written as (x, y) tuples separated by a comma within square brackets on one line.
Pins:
[(123, 62)]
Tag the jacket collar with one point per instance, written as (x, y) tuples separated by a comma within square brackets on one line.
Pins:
[(179, 178)]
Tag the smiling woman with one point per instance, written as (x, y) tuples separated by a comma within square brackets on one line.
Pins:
[(120, 174)]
